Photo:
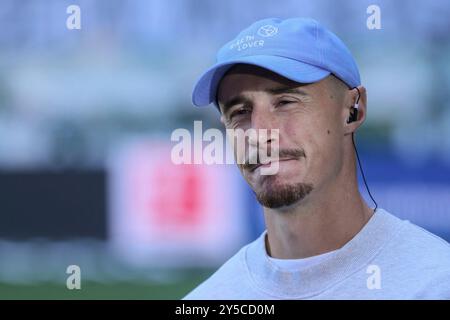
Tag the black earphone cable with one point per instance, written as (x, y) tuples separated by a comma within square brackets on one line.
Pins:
[(362, 174), (359, 162)]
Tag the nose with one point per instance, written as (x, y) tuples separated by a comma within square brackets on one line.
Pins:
[(264, 122), (262, 117)]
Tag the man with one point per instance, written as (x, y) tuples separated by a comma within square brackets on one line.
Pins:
[(322, 240)]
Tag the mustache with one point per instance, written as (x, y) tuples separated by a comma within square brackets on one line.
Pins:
[(282, 154)]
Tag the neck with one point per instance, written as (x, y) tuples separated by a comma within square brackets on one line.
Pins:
[(323, 221)]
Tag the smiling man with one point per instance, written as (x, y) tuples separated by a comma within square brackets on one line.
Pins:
[(322, 240)]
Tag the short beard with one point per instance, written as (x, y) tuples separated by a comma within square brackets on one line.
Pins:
[(283, 196)]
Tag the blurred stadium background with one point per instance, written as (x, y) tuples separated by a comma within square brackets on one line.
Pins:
[(86, 118)]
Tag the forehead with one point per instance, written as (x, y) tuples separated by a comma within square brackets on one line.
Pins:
[(243, 77)]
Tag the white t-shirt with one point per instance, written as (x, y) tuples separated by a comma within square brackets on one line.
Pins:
[(388, 259)]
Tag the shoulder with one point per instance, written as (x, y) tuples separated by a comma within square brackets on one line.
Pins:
[(410, 240), (423, 258), (424, 244), (224, 281)]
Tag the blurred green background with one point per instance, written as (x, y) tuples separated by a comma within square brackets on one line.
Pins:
[(71, 99)]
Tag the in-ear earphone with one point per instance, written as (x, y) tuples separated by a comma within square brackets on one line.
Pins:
[(354, 115)]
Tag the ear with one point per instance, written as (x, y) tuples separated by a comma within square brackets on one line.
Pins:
[(362, 109)]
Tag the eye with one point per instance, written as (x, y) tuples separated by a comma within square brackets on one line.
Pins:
[(239, 112), (284, 102)]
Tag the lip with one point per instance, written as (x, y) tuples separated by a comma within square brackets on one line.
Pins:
[(268, 164)]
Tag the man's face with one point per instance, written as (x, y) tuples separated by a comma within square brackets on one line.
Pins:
[(309, 118)]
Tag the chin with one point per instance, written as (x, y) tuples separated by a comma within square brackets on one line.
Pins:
[(283, 196)]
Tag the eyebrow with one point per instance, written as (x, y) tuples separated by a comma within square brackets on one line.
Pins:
[(274, 91), (284, 89)]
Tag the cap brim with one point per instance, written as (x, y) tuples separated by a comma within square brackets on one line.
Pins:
[(205, 89)]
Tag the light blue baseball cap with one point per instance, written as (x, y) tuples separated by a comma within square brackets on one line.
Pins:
[(299, 49)]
